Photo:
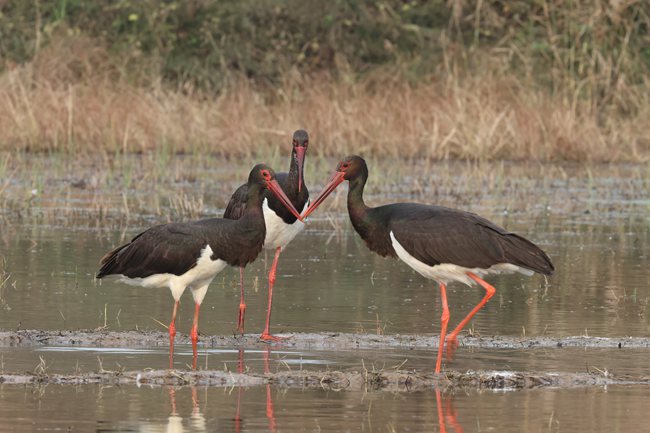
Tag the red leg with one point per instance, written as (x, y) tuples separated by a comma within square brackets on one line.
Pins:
[(441, 419), (444, 319), (194, 334), (242, 304), (266, 334), (172, 334), (489, 292)]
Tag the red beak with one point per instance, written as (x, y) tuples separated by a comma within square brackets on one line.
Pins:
[(276, 189), (336, 179), (300, 157)]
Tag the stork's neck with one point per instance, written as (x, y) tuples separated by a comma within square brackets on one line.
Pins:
[(291, 188), (357, 207), (254, 199)]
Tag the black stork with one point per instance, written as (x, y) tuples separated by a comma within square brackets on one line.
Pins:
[(281, 225), (440, 243), (191, 254)]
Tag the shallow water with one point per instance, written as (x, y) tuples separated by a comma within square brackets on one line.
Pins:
[(78, 360), (595, 225), (340, 286), (268, 409)]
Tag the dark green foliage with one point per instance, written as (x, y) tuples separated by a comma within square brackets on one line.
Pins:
[(198, 42)]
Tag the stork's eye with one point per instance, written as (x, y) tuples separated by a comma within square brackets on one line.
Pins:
[(345, 165), (266, 174), (295, 143), (306, 143)]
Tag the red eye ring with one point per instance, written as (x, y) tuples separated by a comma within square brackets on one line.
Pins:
[(265, 174)]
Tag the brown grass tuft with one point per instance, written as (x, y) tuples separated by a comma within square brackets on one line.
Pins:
[(72, 98)]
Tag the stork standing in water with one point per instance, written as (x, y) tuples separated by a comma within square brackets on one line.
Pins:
[(182, 255), (281, 225), (440, 243)]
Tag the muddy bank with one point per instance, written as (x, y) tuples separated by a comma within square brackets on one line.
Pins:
[(389, 379), (334, 380), (313, 341)]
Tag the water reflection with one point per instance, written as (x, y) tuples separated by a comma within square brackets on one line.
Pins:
[(197, 409), (446, 413), (270, 412), (197, 422), (240, 390)]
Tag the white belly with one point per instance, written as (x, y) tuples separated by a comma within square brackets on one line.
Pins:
[(279, 233), (196, 278), (446, 272)]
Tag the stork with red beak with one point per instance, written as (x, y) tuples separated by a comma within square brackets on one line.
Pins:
[(281, 225), (442, 244), (182, 255)]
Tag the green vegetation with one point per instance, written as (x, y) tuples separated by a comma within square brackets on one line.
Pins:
[(545, 79)]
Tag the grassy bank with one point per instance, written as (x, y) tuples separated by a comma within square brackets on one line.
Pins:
[(478, 80)]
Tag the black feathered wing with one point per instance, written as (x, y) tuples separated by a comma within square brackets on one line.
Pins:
[(169, 248), (435, 235), (236, 247)]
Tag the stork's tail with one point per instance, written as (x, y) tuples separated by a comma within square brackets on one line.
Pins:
[(522, 252), (108, 263)]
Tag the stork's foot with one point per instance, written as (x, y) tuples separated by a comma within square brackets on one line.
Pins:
[(271, 338), (452, 340)]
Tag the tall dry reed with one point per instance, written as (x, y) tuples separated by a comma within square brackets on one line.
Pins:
[(72, 98)]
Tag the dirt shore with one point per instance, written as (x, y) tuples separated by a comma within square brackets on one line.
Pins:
[(389, 379), (395, 380), (320, 341)]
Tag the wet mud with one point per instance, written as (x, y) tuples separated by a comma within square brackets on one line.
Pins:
[(388, 379), (314, 341), (334, 380)]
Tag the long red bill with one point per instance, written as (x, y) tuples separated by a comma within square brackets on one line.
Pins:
[(300, 156), (276, 189), (336, 179)]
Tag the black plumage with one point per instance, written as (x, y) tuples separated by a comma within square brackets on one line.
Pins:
[(440, 243), (435, 235), (175, 255), (175, 248)]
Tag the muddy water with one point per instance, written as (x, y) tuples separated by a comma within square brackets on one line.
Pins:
[(600, 287), (66, 360), (268, 409), (593, 223)]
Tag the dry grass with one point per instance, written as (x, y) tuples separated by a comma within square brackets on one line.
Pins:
[(72, 98)]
